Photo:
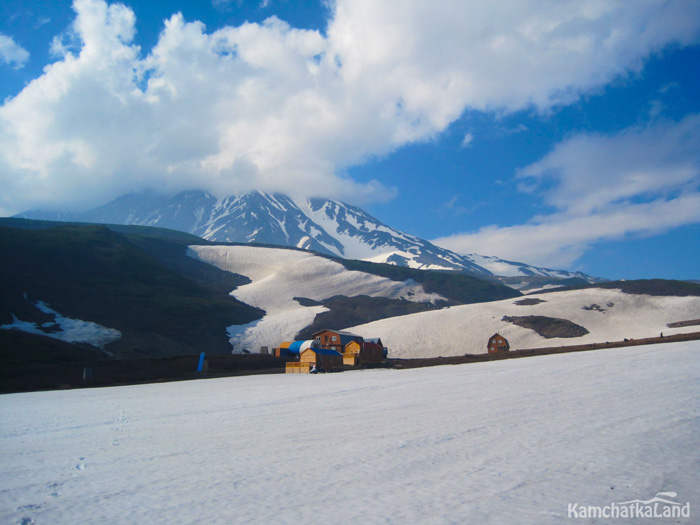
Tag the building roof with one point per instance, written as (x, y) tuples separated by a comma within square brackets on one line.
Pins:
[(297, 347), (323, 351), (374, 340)]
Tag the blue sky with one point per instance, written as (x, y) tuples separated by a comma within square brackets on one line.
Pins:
[(559, 133)]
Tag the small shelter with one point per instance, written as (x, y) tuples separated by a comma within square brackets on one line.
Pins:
[(322, 359), (372, 353), (351, 355), (497, 344), (378, 341), (356, 354)]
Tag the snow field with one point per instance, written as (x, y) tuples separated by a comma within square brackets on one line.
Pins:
[(465, 329), (410, 261), (279, 275), (512, 441), (512, 269)]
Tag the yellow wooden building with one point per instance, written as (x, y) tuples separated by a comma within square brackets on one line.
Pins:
[(366, 353), (316, 359), (351, 354)]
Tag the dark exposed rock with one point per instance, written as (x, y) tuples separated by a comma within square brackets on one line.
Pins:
[(548, 327), (529, 301)]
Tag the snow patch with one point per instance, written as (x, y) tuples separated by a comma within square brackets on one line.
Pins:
[(67, 329), (514, 269), (409, 260)]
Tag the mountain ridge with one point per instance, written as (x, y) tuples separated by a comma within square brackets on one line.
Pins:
[(325, 226)]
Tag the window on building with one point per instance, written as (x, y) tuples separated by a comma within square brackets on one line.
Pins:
[(334, 338)]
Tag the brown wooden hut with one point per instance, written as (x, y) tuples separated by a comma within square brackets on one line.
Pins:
[(497, 344)]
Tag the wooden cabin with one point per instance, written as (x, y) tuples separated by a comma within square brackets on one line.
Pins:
[(351, 355), (378, 341), (372, 353), (322, 359), (336, 339), (319, 359), (497, 344), (356, 354)]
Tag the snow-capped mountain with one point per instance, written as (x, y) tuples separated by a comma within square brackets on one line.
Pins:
[(323, 225)]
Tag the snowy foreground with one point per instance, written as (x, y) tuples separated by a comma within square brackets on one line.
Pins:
[(516, 441)]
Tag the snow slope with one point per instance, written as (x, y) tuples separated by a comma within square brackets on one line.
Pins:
[(279, 275), (465, 329), (513, 441)]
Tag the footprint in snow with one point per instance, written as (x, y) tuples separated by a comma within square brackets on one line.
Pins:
[(27, 520), (55, 487), (31, 506)]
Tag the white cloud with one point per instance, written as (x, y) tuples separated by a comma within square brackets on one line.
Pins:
[(42, 21), (642, 181), (592, 171), (438, 58), (453, 207), (12, 53), (557, 241), (467, 140), (505, 131), (266, 106)]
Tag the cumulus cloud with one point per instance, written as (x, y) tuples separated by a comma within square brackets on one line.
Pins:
[(12, 53), (267, 106), (642, 181)]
